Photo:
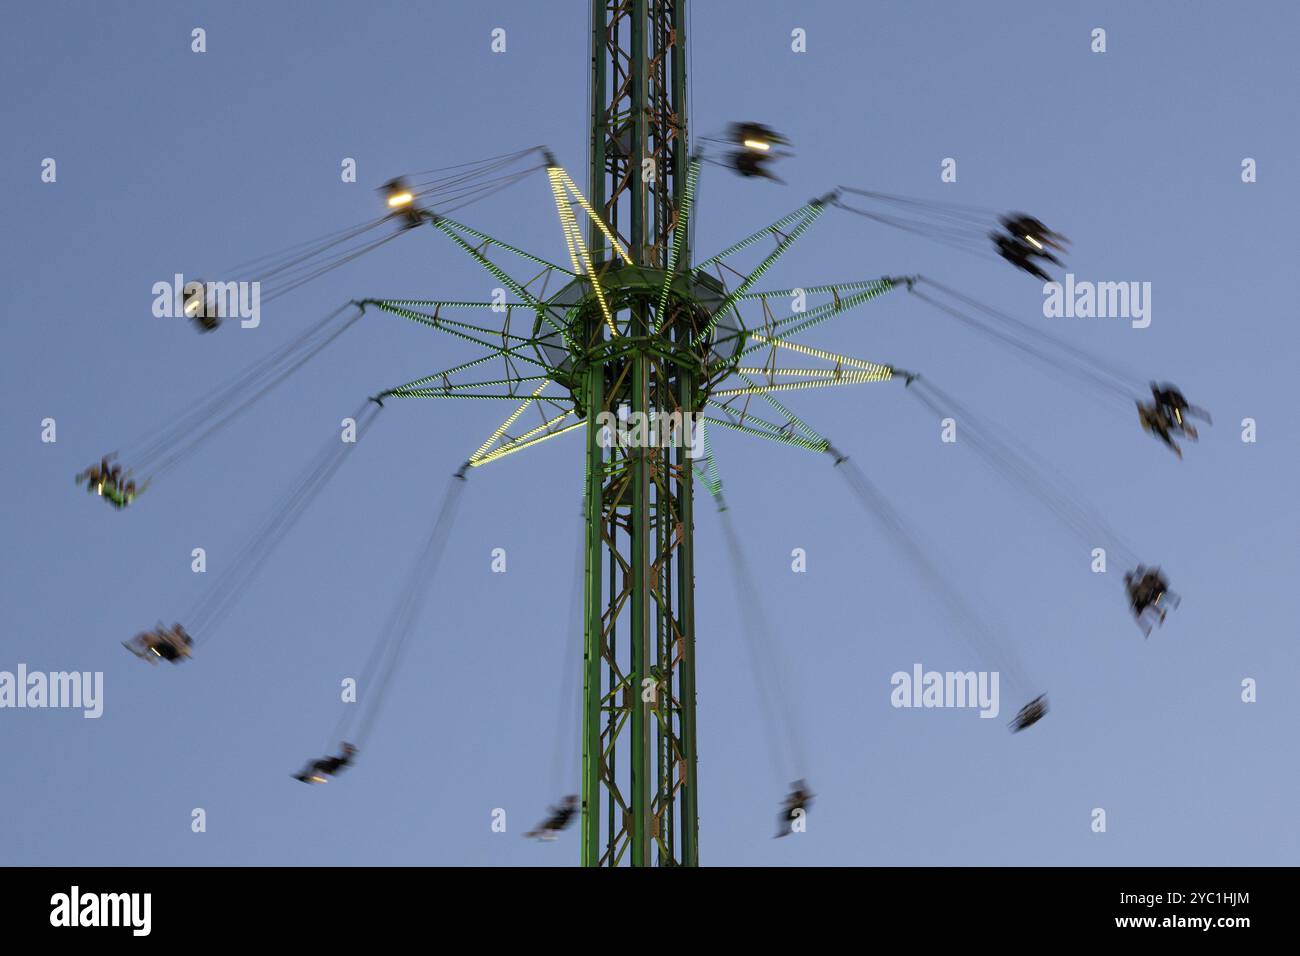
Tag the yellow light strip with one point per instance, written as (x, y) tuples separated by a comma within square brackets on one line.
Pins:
[(511, 449), (573, 236), (811, 372), (567, 221), (600, 224), (508, 422), (818, 353), (866, 377), (538, 430), (595, 285)]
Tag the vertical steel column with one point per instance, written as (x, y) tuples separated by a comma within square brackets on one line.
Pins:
[(641, 405), (593, 611), (593, 589), (641, 633), (688, 822), (596, 193)]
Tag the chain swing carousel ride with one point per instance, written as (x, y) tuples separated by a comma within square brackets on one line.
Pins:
[(635, 325)]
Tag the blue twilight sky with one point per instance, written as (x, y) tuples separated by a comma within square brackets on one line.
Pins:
[(174, 161)]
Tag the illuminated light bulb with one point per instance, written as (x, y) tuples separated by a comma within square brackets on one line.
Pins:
[(397, 193)]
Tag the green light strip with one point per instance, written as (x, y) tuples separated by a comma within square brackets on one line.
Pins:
[(440, 321), (498, 381), (439, 393), (802, 425), (500, 275), (711, 480), (683, 223), (451, 371), (807, 320), (748, 417), (834, 287), (505, 245), (446, 304), (796, 442), (736, 293), (444, 226), (447, 326), (750, 240)]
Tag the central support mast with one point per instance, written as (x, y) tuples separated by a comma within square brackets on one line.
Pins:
[(637, 359)]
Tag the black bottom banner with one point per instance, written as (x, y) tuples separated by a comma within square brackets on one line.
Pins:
[(325, 906)]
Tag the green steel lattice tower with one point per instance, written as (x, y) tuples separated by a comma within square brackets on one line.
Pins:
[(639, 775)]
